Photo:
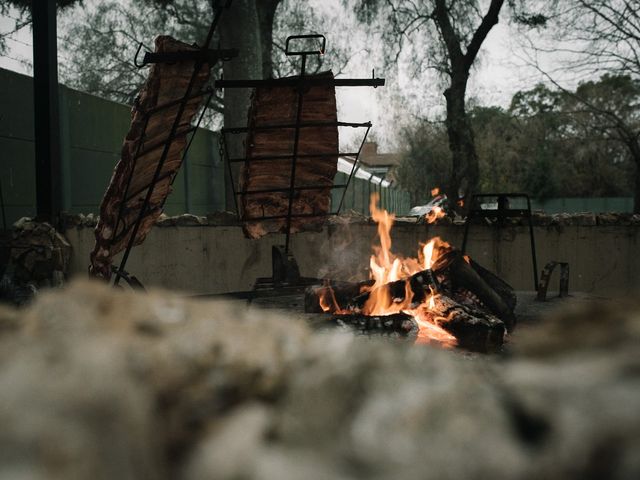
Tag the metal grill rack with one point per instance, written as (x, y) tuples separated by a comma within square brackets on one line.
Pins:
[(200, 56), (499, 215), (302, 83), (286, 278)]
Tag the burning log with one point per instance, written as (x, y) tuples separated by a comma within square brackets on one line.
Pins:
[(452, 299), (460, 310), (473, 328), (322, 298), (353, 296), (420, 285), (493, 293), (400, 323), (464, 299)]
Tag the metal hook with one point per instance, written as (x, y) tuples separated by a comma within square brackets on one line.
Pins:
[(135, 58), (319, 51)]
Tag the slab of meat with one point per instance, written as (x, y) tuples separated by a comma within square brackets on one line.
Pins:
[(278, 106), (166, 82)]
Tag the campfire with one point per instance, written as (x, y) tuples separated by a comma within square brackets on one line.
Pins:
[(442, 296)]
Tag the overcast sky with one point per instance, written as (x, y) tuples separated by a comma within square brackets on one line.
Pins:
[(498, 75)]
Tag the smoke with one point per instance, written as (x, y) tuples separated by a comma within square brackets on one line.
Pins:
[(344, 256)]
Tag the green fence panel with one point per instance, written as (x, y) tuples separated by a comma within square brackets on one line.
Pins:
[(91, 134)]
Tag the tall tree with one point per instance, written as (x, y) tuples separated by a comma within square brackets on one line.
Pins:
[(547, 144), (609, 109), (451, 32), (598, 37), (22, 8), (266, 11), (240, 30), (99, 43), (465, 170)]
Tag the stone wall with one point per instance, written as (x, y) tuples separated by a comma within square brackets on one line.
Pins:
[(101, 384), (211, 255)]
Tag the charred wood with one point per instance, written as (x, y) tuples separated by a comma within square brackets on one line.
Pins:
[(497, 297), (343, 293), (501, 287), (474, 328), (421, 284), (400, 323)]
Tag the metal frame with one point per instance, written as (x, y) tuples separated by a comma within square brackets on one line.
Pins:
[(203, 55), (200, 57), (302, 83), (546, 278), (501, 214)]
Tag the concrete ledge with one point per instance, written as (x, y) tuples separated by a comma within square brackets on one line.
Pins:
[(205, 258)]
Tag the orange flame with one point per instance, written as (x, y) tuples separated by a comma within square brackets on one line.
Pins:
[(327, 300), (434, 214), (386, 267)]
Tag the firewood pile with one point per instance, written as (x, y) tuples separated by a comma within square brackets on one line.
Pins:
[(459, 296), (448, 297)]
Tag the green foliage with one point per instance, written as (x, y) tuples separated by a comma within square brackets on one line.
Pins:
[(100, 44), (22, 9), (496, 137), (426, 163), (568, 149), (548, 144), (522, 15), (537, 101)]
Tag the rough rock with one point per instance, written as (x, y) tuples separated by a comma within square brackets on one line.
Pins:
[(608, 219), (96, 383), (39, 254), (586, 219), (190, 220), (222, 218)]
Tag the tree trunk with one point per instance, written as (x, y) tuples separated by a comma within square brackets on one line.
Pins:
[(465, 170), (266, 10), (239, 29), (634, 148)]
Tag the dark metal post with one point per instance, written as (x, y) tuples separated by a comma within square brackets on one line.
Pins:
[(533, 247), (294, 159), (46, 110), (4, 215)]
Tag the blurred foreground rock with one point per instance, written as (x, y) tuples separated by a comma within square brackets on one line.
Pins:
[(101, 384)]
